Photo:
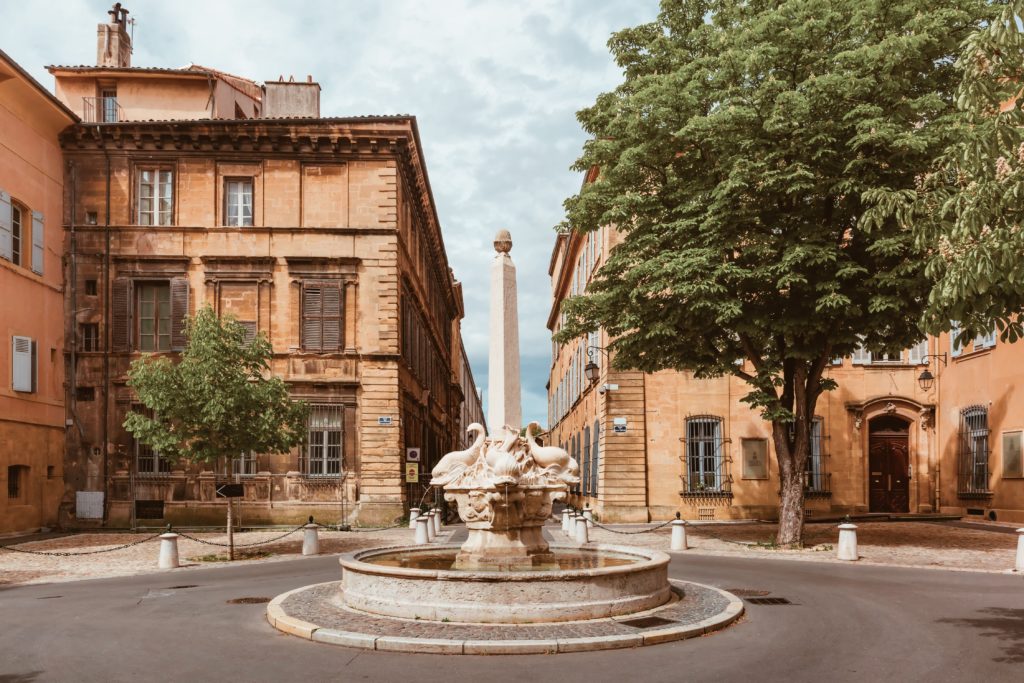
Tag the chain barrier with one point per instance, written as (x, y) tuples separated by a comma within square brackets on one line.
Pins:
[(56, 553), (631, 533), (240, 545), (398, 522)]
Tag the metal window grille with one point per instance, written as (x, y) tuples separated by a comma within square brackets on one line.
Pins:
[(148, 461), (322, 455), (244, 465), (15, 474), (974, 452), (816, 474), (704, 463)]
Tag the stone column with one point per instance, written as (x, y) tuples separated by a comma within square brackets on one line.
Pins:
[(504, 405)]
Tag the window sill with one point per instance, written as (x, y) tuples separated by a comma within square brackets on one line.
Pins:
[(973, 354), (974, 495)]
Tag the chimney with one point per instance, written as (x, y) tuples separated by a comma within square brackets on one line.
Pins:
[(113, 44), (291, 98)]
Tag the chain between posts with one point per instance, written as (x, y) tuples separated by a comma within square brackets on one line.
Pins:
[(630, 533), (56, 553)]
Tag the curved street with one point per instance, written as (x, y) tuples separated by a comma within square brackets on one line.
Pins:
[(845, 623)]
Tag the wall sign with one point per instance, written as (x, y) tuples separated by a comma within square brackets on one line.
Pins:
[(755, 458), (1013, 466), (384, 421), (412, 454), (412, 473)]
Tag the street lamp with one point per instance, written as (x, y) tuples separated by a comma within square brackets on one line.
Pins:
[(592, 370), (926, 379)]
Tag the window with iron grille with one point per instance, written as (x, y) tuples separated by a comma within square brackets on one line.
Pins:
[(90, 335), (148, 461), (17, 477), (817, 476), (244, 465), (323, 451), (974, 452), (704, 462)]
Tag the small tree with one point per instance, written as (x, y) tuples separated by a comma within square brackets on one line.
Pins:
[(739, 157), (217, 401)]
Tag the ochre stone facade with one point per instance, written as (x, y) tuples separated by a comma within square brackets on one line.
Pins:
[(667, 442)]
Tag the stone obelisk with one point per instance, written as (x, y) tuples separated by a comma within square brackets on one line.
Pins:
[(504, 403)]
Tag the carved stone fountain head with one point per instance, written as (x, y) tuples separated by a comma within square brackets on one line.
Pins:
[(504, 489)]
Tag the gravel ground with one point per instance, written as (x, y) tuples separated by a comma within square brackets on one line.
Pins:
[(20, 568), (912, 544)]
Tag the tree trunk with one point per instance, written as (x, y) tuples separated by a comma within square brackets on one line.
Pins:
[(231, 530), (792, 464)]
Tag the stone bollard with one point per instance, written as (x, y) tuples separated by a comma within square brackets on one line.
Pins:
[(311, 539), (413, 514), (422, 535), (678, 535), (565, 520), (168, 551), (437, 520), (847, 549), (431, 529), (582, 537), (589, 515), (570, 530), (1020, 551)]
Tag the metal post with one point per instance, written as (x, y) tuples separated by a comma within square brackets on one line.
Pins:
[(310, 538), (431, 530), (589, 515), (1020, 551), (436, 512)]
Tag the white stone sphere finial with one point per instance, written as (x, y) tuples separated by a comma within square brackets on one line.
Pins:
[(503, 242)]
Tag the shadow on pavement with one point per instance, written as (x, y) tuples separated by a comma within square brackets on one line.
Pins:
[(1003, 623), (20, 678)]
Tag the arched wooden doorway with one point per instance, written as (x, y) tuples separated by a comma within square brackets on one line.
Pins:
[(889, 464)]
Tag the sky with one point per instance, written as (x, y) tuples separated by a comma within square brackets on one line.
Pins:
[(494, 84)]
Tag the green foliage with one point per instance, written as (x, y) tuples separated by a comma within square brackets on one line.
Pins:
[(740, 157), (217, 400), (968, 207)]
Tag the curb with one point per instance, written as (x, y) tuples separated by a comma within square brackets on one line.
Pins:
[(282, 621)]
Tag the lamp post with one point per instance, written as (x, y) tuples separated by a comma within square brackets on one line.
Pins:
[(592, 370)]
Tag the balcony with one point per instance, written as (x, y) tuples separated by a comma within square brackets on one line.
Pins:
[(101, 110)]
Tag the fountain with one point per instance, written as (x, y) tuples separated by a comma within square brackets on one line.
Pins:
[(506, 574)]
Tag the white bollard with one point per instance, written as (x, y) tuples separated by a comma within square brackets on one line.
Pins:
[(437, 520), (431, 530), (1020, 550), (413, 514), (422, 535), (581, 530), (168, 551), (589, 515), (565, 520), (847, 549), (570, 529), (311, 540), (678, 535)]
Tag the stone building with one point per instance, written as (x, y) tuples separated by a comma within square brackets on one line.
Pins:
[(887, 440), (320, 233), (31, 328)]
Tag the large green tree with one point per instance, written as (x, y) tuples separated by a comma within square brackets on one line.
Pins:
[(967, 209), (738, 157), (217, 401)]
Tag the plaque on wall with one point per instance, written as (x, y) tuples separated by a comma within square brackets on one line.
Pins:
[(1013, 465), (755, 458)]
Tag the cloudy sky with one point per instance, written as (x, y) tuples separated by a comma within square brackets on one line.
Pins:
[(494, 84)]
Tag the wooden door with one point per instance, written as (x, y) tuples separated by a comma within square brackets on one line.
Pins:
[(889, 474)]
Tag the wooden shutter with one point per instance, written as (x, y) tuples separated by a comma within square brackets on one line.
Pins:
[(37, 243), (250, 330), (22, 374), (121, 315), (332, 317), (6, 227), (179, 312), (312, 305)]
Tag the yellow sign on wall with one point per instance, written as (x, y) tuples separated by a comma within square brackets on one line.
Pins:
[(412, 472)]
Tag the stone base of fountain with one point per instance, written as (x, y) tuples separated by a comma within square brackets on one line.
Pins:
[(600, 582)]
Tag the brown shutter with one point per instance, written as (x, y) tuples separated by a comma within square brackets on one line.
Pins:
[(250, 330), (332, 317), (312, 305), (121, 315), (179, 312)]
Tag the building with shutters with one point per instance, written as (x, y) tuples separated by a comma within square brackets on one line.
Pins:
[(320, 233), (653, 444), (31, 324)]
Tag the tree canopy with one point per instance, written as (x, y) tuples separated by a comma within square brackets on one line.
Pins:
[(740, 158), (217, 400)]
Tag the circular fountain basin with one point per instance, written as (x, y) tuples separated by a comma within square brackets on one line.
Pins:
[(569, 584)]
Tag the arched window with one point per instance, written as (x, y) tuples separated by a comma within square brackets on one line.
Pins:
[(974, 452), (704, 464)]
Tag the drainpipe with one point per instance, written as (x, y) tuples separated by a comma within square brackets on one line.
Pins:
[(106, 342)]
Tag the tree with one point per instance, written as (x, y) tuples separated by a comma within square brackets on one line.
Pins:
[(967, 210), (217, 401), (738, 157)]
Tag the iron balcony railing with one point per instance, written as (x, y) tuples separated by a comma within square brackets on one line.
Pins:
[(817, 484), (102, 110)]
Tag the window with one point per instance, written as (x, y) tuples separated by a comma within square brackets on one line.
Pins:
[(324, 445), (23, 364), (90, 287), (155, 196), (595, 459), (955, 349), (85, 393), (704, 455), (17, 477), (974, 451), (861, 356), (108, 105), (244, 465), (815, 472), (238, 202), (154, 316), (585, 470), (322, 316), (148, 461), (917, 352), (985, 340), (90, 335), (17, 231)]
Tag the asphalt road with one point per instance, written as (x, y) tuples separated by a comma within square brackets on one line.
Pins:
[(846, 623)]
